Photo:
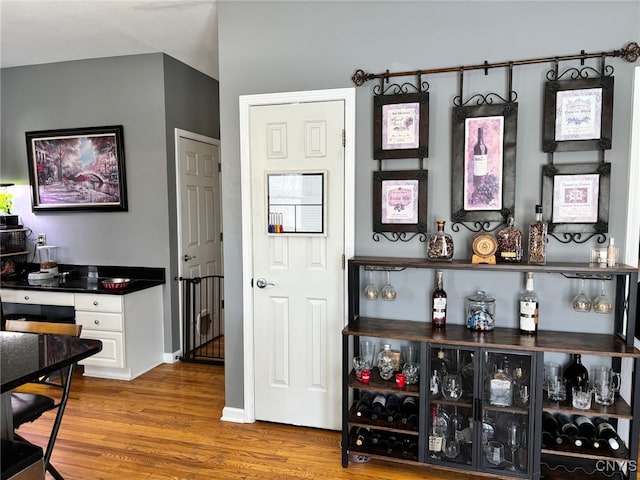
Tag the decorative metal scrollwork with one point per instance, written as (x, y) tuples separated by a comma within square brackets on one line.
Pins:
[(576, 237), (488, 99), (476, 227), (631, 52), (578, 73), (397, 89), (399, 236)]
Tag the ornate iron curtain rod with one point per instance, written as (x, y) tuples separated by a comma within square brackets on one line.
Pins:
[(630, 53)]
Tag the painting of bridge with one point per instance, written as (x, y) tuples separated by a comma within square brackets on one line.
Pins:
[(77, 168)]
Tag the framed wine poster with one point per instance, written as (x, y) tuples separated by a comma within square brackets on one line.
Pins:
[(578, 114), (400, 201), (484, 162), (401, 126)]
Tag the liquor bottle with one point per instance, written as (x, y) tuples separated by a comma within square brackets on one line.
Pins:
[(378, 406), (439, 303), (585, 425), (439, 244), (439, 426), (393, 407), (500, 386), (538, 239), (509, 241), (576, 375), (409, 411), (606, 432), (479, 160), (529, 308), (386, 363), (363, 406)]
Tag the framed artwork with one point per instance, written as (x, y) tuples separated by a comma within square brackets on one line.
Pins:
[(400, 201), (401, 126), (578, 114), (484, 162), (77, 169), (575, 197)]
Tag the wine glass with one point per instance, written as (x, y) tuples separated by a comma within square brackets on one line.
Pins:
[(513, 440), (602, 303), (582, 302), (370, 290), (388, 292)]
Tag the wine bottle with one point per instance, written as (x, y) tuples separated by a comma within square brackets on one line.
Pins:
[(392, 443), (363, 406), (576, 375), (606, 432), (409, 448), (362, 436), (409, 410), (393, 407), (585, 425), (538, 239), (480, 161), (566, 425), (529, 308), (439, 303), (378, 406), (550, 428)]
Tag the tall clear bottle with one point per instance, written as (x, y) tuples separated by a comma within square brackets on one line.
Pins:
[(529, 308), (439, 303), (538, 239), (509, 241)]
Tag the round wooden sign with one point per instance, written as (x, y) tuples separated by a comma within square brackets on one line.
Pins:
[(484, 245)]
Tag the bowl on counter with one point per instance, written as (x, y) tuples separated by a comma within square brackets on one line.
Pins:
[(115, 283)]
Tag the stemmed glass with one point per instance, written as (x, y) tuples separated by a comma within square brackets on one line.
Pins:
[(513, 440), (582, 302), (370, 290), (602, 303), (388, 292)]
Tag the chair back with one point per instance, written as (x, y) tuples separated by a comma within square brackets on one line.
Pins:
[(52, 328)]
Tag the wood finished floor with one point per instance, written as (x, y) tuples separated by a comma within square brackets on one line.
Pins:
[(166, 425)]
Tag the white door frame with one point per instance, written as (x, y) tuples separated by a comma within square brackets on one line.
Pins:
[(246, 102), (178, 133), (633, 220)]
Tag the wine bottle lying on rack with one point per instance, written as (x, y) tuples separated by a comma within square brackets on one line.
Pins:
[(607, 434), (363, 406)]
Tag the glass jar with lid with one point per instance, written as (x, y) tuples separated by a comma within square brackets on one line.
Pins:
[(480, 310), (440, 244)]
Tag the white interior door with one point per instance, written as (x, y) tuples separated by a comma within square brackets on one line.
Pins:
[(298, 315), (199, 216)]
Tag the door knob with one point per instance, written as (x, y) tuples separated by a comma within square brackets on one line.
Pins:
[(262, 283), (186, 257)]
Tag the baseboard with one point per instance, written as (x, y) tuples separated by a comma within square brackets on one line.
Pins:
[(172, 357), (235, 415)]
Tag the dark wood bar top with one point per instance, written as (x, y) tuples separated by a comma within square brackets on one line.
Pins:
[(500, 338)]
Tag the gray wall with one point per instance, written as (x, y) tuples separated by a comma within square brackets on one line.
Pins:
[(318, 45), (147, 94)]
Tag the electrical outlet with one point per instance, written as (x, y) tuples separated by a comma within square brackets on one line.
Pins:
[(42, 239)]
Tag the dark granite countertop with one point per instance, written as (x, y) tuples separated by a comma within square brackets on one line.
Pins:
[(76, 280)]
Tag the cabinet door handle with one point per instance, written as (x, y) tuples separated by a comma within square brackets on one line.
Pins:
[(97, 322), (95, 303)]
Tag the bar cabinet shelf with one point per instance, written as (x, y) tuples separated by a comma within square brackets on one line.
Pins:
[(482, 352)]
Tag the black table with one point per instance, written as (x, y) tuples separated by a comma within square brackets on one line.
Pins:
[(24, 357)]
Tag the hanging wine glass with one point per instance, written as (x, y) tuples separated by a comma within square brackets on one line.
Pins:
[(388, 292), (602, 303), (370, 290), (582, 302)]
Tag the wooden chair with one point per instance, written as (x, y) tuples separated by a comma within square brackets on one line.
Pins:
[(27, 406)]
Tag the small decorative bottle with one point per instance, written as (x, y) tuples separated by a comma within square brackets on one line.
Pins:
[(509, 243), (386, 363), (500, 386), (440, 244), (538, 239)]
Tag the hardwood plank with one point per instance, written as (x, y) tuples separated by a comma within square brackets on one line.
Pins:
[(166, 424)]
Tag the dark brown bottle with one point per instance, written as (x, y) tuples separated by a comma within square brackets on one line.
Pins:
[(576, 375), (439, 303)]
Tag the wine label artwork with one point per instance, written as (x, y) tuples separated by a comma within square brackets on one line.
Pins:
[(400, 124), (578, 114), (483, 169), (400, 201)]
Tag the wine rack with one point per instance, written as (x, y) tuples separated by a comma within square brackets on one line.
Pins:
[(549, 462)]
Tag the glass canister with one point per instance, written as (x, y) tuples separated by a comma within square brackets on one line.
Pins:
[(480, 309), (440, 244)]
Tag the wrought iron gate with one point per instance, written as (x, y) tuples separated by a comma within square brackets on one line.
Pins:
[(203, 319)]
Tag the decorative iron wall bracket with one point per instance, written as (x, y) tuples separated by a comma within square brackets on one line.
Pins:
[(630, 53)]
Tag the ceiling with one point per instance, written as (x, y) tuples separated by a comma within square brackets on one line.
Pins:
[(44, 31)]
